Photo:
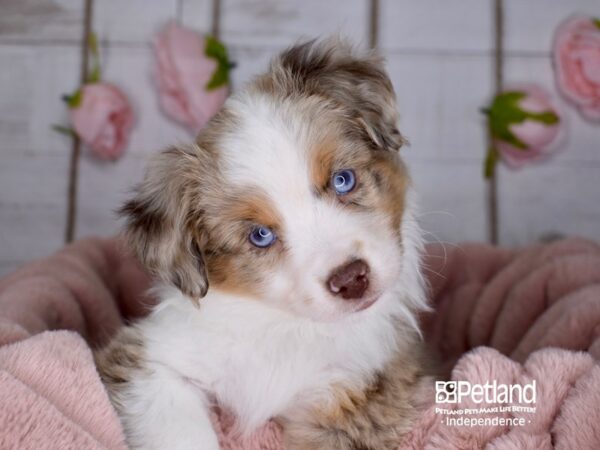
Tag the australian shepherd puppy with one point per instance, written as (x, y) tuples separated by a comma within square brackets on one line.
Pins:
[(286, 244)]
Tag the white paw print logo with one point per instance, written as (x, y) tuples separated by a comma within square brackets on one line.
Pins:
[(445, 391)]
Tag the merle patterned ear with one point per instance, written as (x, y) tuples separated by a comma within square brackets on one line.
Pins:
[(160, 225), (360, 83)]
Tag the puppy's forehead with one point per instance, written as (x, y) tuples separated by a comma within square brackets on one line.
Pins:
[(270, 147)]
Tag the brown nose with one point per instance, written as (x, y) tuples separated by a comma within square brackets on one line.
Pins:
[(350, 280)]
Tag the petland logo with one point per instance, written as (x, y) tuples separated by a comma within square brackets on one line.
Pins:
[(491, 392)]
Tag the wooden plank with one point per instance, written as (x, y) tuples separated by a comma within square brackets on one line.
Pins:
[(31, 84), (131, 21), (451, 199), (41, 21), (439, 98), (16, 104), (279, 23), (60, 68), (549, 199), (103, 189), (530, 24), (33, 180), (197, 14), (460, 26), (32, 206), (31, 231)]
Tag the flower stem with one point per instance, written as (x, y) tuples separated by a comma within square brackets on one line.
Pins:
[(491, 159)]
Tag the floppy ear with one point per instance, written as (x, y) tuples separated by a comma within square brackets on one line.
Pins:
[(162, 224), (359, 83)]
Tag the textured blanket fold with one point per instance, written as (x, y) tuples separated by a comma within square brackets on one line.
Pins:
[(498, 315), (52, 397), (547, 295)]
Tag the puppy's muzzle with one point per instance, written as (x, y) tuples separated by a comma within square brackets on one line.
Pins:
[(350, 281)]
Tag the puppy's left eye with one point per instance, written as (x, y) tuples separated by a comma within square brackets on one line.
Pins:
[(262, 236), (343, 181)]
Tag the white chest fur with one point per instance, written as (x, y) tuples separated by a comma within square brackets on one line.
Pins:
[(259, 361)]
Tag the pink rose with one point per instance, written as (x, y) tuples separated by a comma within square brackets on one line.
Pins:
[(102, 118), (577, 63), (525, 124), (192, 74)]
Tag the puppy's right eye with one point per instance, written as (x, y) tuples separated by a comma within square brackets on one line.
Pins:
[(343, 181), (262, 236)]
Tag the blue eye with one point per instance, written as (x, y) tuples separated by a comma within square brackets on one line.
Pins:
[(343, 181), (262, 236)]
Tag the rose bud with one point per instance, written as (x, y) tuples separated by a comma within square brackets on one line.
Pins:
[(577, 64), (525, 127), (192, 72), (102, 118)]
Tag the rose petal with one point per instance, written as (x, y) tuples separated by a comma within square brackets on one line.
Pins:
[(182, 72), (535, 134), (103, 119), (577, 63), (590, 63)]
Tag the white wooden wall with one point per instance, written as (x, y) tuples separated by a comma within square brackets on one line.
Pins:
[(440, 57)]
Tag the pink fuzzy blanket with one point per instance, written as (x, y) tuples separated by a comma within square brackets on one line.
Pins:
[(499, 315)]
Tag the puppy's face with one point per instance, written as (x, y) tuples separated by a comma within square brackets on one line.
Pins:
[(293, 195)]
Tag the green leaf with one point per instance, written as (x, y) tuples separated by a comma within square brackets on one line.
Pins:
[(73, 100), (548, 117), (94, 75), (503, 113), (596, 21), (506, 111), (64, 130), (216, 50), (93, 43), (220, 78), (491, 159)]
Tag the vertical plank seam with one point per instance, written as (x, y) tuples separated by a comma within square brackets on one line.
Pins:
[(179, 12), (374, 23), (216, 19), (71, 219), (498, 83)]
